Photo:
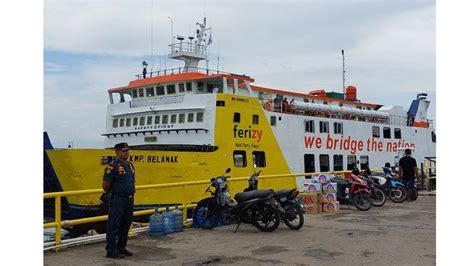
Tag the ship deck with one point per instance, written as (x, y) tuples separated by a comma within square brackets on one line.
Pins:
[(349, 237)]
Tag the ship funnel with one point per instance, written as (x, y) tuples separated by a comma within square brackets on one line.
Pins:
[(417, 114)]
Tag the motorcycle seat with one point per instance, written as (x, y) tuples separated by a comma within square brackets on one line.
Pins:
[(283, 192), (254, 194), (341, 182)]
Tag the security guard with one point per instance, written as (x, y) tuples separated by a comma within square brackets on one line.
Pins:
[(119, 184)]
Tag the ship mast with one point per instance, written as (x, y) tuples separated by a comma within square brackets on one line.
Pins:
[(191, 52)]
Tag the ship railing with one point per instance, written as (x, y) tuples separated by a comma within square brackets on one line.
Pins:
[(264, 181), (288, 108), (187, 47), (180, 70), (157, 101)]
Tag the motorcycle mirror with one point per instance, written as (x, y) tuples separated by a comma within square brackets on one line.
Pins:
[(227, 170)]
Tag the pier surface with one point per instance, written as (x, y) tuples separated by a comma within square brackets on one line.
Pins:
[(395, 234)]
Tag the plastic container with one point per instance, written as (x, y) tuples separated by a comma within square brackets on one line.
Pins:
[(168, 222), (156, 224), (178, 219)]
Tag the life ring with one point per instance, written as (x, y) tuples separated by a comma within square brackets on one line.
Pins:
[(267, 106)]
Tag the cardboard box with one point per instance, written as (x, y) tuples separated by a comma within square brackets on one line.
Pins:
[(319, 178), (330, 188), (310, 201), (309, 198), (331, 197), (331, 207), (313, 187), (322, 198)]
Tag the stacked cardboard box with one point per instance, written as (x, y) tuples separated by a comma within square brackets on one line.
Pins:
[(310, 201), (327, 197)]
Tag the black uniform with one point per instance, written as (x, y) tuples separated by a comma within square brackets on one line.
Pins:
[(408, 165), (122, 177)]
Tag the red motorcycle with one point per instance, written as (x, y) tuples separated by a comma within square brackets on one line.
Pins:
[(355, 190)]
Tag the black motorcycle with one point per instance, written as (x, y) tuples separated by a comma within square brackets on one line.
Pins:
[(289, 199), (254, 207)]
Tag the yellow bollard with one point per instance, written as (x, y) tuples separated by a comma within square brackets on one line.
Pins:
[(57, 220)]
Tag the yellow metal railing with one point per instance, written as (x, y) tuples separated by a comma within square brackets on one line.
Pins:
[(185, 205)]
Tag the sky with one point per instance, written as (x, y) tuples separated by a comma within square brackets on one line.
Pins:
[(91, 46)]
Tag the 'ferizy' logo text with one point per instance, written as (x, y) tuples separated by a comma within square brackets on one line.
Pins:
[(248, 133)]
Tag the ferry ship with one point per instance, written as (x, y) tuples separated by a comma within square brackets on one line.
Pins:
[(191, 123)]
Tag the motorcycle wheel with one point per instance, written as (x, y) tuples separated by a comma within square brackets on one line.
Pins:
[(293, 218), (268, 218), (204, 215), (362, 201), (398, 194), (378, 198)]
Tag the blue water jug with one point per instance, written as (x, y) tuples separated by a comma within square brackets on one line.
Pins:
[(178, 219), (168, 222), (156, 224)]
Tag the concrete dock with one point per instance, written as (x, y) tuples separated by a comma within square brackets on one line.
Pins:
[(395, 234)]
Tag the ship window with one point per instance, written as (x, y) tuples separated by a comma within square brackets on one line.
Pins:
[(273, 120), (255, 119), (189, 87), (140, 92), (200, 86), (359, 107), (375, 132), (364, 162), (433, 136), (309, 126), (199, 116), (338, 163), (142, 121), (173, 119), (324, 163), (181, 87), (134, 94), (135, 121), (157, 119), (164, 119), (341, 105), (150, 92), (150, 139), (397, 133), (240, 159), (351, 162), (122, 122), (190, 117), (181, 118), (171, 89), (386, 133), (128, 121), (338, 128), (323, 126), (160, 90), (325, 102), (149, 120), (259, 158), (115, 123), (236, 117)]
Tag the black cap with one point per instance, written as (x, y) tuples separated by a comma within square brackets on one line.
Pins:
[(121, 146)]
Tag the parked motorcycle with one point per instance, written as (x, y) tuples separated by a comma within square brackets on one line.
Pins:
[(376, 190), (355, 190), (394, 189), (289, 199), (254, 207)]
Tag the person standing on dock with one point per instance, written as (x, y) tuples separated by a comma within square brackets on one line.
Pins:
[(408, 172), (119, 184)]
